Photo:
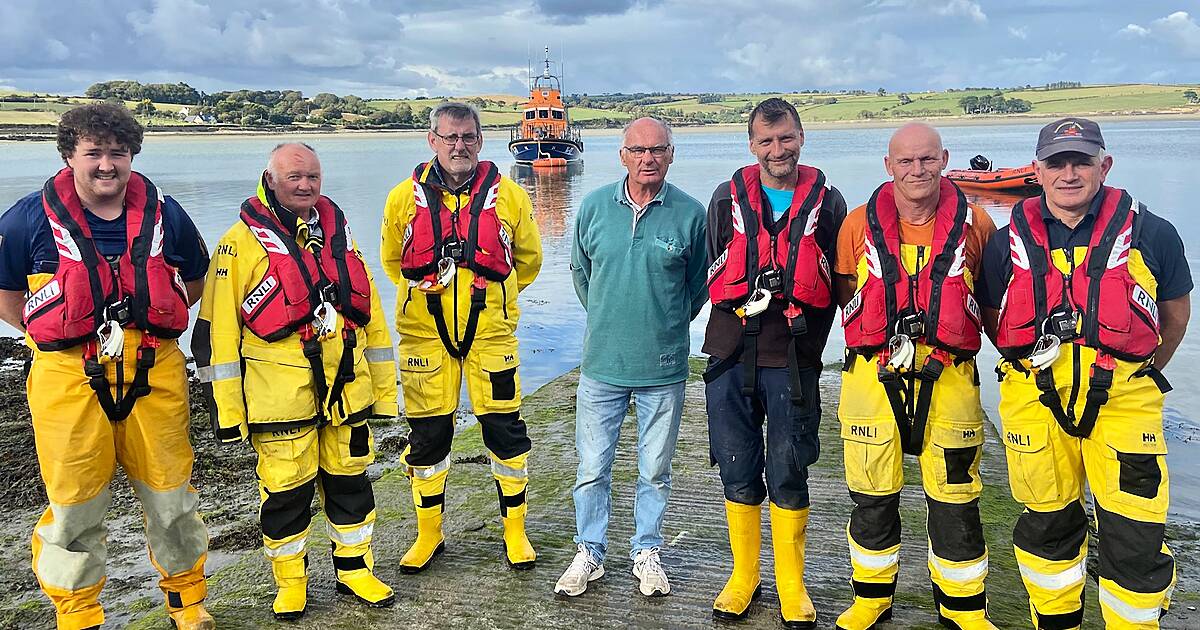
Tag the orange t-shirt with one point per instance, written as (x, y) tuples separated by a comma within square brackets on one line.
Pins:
[(850, 247)]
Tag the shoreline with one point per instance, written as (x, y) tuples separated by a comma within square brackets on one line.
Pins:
[(46, 133)]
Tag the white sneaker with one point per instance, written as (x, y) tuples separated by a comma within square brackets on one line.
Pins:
[(584, 568), (648, 569)]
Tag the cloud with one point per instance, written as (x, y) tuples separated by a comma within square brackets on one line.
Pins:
[(946, 8), (963, 8), (395, 48), (1134, 30), (575, 11), (57, 50), (1181, 32)]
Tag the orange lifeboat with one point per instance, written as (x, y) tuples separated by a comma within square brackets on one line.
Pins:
[(1022, 177)]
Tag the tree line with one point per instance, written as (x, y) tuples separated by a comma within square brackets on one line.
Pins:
[(994, 104)]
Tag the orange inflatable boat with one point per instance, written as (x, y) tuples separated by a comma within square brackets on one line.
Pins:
[(987, 179)]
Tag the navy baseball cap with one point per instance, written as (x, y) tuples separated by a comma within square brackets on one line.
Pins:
[(1078, 135)]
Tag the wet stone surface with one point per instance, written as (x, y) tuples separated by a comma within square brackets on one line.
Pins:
[(469, 586)]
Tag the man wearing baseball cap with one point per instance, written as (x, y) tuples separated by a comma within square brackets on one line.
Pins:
[(1085, 293)]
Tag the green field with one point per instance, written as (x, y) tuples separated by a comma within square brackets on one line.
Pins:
[(1107, 99), (504, 110)]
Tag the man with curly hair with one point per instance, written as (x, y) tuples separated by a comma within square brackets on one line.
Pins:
[(98, 268)]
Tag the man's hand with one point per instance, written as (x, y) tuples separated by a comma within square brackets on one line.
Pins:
[(1172, 324), (12, 303)]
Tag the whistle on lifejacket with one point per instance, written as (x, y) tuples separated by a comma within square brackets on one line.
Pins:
[(755, 305), (1045, 352), (324, 321), (901, 352), (445, 273), (111, 341)]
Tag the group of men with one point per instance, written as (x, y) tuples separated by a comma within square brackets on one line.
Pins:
[(1085, 294), (292, 352)]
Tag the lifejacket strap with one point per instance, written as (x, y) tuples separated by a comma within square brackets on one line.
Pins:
[(345, 373), (119, 409), (750, 356), (797, 388), (312, 351)]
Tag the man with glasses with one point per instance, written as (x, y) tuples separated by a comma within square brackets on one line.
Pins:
[(771, 232), (460, 241), (638, 267)]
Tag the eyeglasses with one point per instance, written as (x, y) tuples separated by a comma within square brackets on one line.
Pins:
[(469, 139), (656, 151)]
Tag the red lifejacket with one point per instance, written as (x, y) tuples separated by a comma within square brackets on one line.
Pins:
[(1119, 316), (145, 292), (474, 239), (297, 281), (945, 307), (794, 252)]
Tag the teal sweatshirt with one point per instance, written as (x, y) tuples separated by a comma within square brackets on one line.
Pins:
[(641, 281)]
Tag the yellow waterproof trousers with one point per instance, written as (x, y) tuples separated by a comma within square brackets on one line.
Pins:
[(949, 461), (78, 449), (431, 381), (1124, 464), (295, 464)]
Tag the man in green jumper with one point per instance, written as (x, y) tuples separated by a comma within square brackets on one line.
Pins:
[(638, 265)]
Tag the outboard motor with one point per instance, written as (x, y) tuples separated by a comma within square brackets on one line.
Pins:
[(980, 163)]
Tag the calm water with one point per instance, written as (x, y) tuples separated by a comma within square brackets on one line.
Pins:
[(211, 177)]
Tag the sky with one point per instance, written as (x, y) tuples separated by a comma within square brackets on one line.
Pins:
[(407, 48)]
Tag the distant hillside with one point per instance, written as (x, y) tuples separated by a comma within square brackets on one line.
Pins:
[(291, 110)]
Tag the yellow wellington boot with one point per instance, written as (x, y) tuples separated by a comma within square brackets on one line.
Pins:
[(512, 479), (429, 496), (291, 580), (745, 541), (970, 620), (194, 617), (787, 538), (361, 582), (517, 549), (865, 613)]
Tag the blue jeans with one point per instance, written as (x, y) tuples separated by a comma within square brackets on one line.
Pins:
[(599, 411)]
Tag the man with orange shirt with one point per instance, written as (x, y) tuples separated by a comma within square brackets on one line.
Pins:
[(904, 275)]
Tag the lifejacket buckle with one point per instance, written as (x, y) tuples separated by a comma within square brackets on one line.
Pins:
[(757, 303), (454, 250), (329, 293), (1063, 324), (325, 321), (901, 352), (1045, 352), (446, 268), (797, 324), (112, 341), (771, 280), (911, 325), (118, 312)]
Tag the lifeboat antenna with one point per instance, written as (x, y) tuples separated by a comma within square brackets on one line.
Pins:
[(546, 71)]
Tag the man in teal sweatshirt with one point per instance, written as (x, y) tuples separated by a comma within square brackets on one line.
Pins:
[(638, 265)]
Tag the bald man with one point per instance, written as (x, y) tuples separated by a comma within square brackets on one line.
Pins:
[(905, 277), (293, 353)]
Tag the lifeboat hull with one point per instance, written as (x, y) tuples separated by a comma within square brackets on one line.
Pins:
[(1003, 179), (528, 151)]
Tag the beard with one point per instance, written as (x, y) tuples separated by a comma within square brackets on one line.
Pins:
[(781, 168)]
